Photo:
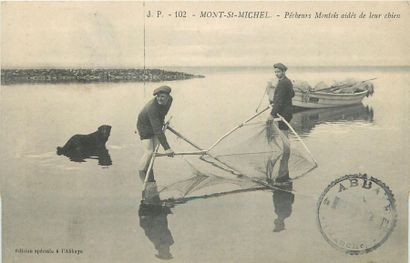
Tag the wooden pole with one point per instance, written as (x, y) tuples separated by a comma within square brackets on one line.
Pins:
[(184, 138), (298, 137), (182, 153), (237, 127), (151, 163), (232, 170), (263, 96)]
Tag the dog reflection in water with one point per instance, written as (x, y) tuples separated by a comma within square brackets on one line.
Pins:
[(90, 146), (153, 219)]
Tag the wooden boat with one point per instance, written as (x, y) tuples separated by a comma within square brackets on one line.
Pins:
[(319, 99), (348, 92)]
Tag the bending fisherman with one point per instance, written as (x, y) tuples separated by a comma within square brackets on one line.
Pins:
[(149, 126)]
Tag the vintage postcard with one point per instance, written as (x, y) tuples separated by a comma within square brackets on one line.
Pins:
[(143, 131)]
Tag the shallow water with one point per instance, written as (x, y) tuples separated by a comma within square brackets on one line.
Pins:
[(51, 202)]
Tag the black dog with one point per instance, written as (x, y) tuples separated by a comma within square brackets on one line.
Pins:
[(80, 147)]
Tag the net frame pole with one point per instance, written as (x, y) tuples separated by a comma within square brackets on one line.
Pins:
[(263, 96), (183, 200), (203, 151), (237, 127), (298, 137), (151, 163), (183, 153), (184, 138)]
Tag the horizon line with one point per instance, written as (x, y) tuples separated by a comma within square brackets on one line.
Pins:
[(211, 66)]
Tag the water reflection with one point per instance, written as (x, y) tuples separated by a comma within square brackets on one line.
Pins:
[(277, 166), (100, 154), (153, 211), (282, 195), (304, 121), (153, 219), (282, 205)]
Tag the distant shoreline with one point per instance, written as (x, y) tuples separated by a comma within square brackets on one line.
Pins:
[(55, 76), (292, 67)]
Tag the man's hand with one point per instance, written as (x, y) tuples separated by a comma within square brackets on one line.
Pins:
[(170, 153)]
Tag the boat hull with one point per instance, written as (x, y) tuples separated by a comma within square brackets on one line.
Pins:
[(314, 100)]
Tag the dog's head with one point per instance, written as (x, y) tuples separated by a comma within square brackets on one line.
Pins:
[(104, 132)]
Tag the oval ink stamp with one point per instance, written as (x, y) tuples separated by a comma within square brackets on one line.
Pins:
[(356, 213)]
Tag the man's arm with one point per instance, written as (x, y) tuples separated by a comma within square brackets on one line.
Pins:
[(157, 124), (278, 99)]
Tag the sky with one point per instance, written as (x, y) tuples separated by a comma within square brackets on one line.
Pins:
[(111, 34)]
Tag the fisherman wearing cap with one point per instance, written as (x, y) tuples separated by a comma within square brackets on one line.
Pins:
[(149, 126), (282, 99)]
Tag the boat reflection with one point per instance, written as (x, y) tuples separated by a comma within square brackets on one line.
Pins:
[(304, 121), (153, 219)]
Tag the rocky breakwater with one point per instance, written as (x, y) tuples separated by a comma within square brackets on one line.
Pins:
[(22, 76)]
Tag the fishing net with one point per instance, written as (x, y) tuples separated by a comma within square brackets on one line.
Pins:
[(264, 152), (254, 155)]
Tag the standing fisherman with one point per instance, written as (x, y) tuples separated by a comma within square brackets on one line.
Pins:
[(282, 99), (282, 105), (149, 125)]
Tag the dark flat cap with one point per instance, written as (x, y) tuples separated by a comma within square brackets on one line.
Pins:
[(280, 66), (162, 89)]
